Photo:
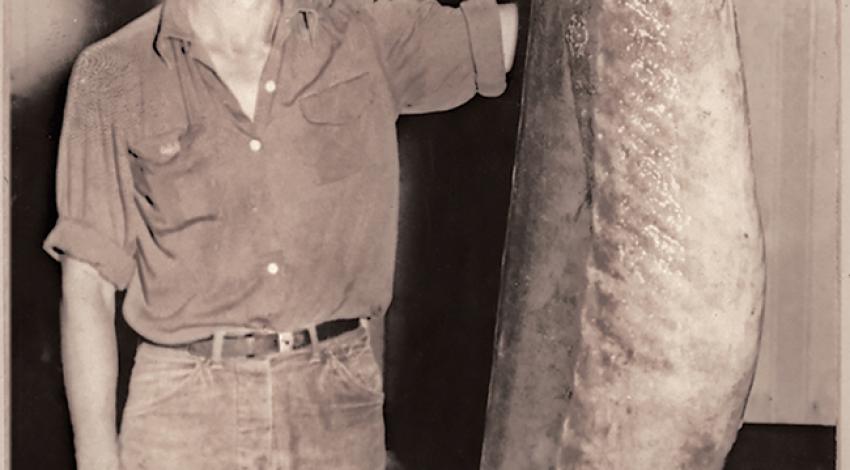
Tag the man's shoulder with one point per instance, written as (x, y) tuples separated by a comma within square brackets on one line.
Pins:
[(368, 12), (109, 59), (383, 14), (368, 5)]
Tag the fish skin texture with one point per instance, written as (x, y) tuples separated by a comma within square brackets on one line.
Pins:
[(671, 320)]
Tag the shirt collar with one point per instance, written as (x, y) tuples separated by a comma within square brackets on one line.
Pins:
[(174, 21)]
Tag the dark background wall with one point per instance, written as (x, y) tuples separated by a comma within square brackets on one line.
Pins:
[(456, 170), (456, 174)]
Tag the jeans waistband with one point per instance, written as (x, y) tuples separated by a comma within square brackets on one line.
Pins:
[(260, 344)]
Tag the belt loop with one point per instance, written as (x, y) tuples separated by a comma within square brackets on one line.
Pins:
[(315, 347), (217, 346)]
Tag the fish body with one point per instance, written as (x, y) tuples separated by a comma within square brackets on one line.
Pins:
[(633, 279), (672, 311)]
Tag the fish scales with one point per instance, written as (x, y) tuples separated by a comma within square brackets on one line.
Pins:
[(675, 277)]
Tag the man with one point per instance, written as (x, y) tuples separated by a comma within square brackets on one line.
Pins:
[(232, 164)]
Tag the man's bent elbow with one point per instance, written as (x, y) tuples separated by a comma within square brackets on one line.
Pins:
[(83, 288)]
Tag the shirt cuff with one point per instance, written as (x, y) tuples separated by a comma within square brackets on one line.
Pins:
[(78, 240), (485, 39)]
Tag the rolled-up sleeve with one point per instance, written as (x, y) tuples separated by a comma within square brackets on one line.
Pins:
[(437, 57), (91, 197)]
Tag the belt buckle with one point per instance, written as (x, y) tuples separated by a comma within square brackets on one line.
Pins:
[(285, 341)]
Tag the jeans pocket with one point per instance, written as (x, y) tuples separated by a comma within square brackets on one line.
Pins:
[(358, 379), (159, 379)]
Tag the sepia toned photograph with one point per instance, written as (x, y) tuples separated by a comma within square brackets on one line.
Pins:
[(425, 234)]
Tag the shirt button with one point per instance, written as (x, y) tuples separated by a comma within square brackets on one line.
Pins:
[(273, 268), (271, 86), (255, 145)]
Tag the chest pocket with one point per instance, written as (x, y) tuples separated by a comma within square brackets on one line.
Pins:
[(333, 144), (172, 180)]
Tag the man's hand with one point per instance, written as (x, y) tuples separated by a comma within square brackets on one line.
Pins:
[(510, 26)]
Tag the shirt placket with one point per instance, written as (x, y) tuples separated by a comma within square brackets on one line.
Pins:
[(270, 265), (222, 96), (209, 99)]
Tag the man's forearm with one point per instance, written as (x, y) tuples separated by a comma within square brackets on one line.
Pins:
[(89, 357)]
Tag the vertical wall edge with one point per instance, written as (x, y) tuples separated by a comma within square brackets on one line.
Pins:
[(844, 364), (5, 237)]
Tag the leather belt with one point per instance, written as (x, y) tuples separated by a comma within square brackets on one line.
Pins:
[(260, 344)]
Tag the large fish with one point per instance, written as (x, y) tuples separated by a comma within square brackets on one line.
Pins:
[(671, 310)]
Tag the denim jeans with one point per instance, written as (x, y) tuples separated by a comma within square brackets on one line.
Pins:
[(320, 407)]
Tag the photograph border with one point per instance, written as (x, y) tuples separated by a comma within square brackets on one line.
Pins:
[(843, 447), (5, 242)]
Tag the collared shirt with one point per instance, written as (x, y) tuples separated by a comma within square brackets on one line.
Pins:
[(212, 220)]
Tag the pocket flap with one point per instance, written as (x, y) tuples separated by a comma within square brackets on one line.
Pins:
[(338, 103), (159, 148)]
